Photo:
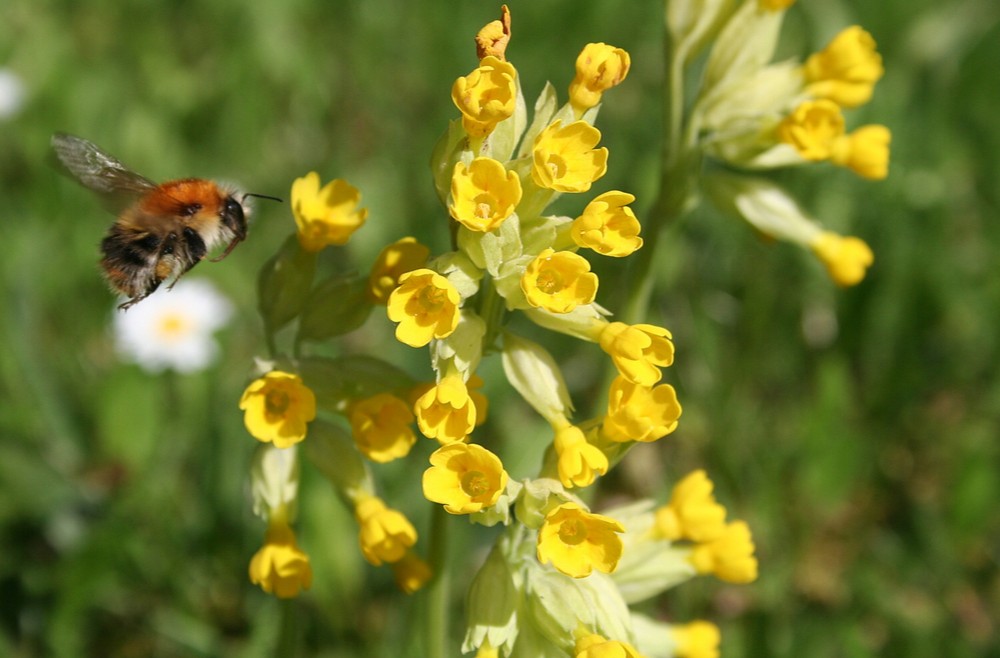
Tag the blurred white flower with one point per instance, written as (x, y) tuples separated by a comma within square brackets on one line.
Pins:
[(173, 328), (12, 93)]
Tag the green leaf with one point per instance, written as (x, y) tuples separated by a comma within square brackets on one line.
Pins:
[(336, 306)]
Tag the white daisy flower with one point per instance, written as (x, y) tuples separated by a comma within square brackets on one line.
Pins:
[(173, 328)]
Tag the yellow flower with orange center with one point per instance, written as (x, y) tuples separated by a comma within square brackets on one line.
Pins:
[(579, 462), (425, 305), (564, 158), (465, 478), (730, 556), (483, 194), (846, 70), (599, 67), (395, 260), (559, 281), (278, 408), (381, 427), (328, 215), (385, 534), (576, 542), (486, 96), (846, 258), (640, 413), (446, 411), (608, 225), (280, 567), (638, 351), (812, 128)]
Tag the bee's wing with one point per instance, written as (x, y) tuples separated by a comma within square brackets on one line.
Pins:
[(99, 171)]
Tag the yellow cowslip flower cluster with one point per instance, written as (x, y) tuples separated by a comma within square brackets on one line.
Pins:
[(561, 576), (756, 115)]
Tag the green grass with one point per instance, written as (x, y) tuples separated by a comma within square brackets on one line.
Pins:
[(855, 430)]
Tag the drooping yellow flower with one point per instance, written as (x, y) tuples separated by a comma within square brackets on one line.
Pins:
[(446, 412), (812, 128), (493, 38), (692, 512), (846, 71), (640, 413), (328, 215), (382, 427), (277, 408), (396, 259), (608, 225), (730, 556), (599, 67), (846, 258), (775, 5), (411, 572), (425, 305), (385, 534), (698, 639), (280, 567), (638, 351), (465, 478), (486, 96), (579, 462), (577, 542), (864, 151), (483, 194), (564, 158), (559, 281), (596, 646)]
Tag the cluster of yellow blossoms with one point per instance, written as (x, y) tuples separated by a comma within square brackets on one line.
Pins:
[(561, 577), (756, 115)]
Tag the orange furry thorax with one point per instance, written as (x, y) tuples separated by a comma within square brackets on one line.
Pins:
[(172, 197)]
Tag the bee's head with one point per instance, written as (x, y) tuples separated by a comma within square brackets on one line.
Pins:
[(234, 217)]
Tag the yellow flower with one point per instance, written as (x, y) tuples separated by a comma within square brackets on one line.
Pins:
[(280, 567), (864, 151), (446, 412), (608, 225), (385, 534), (564, 158), (325, 216), (559, 281), (846, 70), (277, 408), (846, 258), (393, 261), (381, 428), (692, 512), (579, 462), (638, 351), (486, 96), (640, 413), (599, 67), (775, 5), (465, 478), (812, 128), (411, 572), (698, 639), (576, 542), (595, 646), (483, 194), (729, 556), (493, 38), (486, 651), (425, 305)]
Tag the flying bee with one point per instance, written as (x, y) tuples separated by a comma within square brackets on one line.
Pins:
[(162, 231)]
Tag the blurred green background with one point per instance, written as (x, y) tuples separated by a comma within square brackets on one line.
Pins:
[(857, 431)]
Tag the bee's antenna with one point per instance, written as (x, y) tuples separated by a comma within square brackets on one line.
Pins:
[(262, 196)]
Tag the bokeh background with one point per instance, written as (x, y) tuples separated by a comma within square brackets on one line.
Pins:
[(856, 430)]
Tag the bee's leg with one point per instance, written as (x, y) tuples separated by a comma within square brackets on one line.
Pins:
[(191, 249)]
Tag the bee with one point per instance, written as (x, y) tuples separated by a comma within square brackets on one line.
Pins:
[(162, 231)]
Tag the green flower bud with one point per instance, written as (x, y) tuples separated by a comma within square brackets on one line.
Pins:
[(284, 284)]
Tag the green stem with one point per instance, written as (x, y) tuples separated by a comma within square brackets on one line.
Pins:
[(288, 640), (492, 309), (439, 587)]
